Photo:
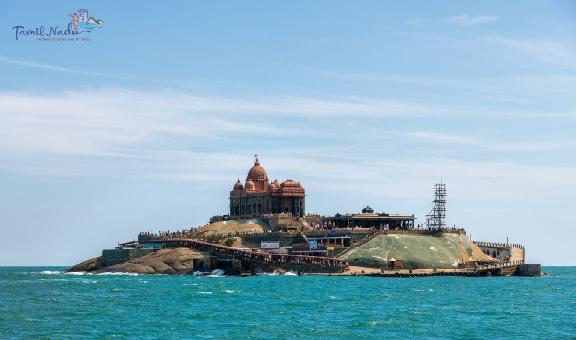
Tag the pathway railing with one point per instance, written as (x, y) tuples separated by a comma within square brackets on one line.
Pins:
[(253, 255), (498, 245), (499, 265)]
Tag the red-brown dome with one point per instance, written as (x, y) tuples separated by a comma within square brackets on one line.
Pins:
[(250, 185), (238, 186), (291, 183), (291, 187), (257, 173)]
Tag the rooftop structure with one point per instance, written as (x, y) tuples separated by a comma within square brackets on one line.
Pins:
[(374, 220)]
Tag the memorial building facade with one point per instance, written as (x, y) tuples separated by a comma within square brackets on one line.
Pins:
[(258, 196)]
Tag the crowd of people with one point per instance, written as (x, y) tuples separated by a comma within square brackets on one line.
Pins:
[(498, 245), (167, 235)]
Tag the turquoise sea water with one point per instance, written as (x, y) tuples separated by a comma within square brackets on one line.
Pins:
[(37, 302)]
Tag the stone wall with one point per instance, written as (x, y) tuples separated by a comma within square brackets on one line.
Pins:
[(529, 270), (116, 256)]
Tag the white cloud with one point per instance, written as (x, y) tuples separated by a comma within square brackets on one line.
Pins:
[(550, 51), (471, 20), (491, 143), (462, 20), (181, 137), (109, 121), (438, 137), (55, 68)]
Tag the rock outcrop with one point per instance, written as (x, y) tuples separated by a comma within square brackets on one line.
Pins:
[(417, 251), (231, 227), (164, 261), (89, 265)]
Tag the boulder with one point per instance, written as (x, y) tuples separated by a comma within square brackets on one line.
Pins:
[(164, 261), (88, 265)]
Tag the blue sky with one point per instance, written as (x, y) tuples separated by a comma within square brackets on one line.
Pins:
[(148, 125)]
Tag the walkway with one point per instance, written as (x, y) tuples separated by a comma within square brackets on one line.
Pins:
[(247, 255)]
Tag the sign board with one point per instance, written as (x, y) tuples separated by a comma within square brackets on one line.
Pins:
[(269, 245), (329, 248), (313, 244)]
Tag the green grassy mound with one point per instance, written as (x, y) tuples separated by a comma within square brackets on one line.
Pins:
[(417, 251)]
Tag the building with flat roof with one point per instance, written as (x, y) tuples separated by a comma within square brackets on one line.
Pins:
[(369, 219)]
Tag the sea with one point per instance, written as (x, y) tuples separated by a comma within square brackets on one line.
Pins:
[(42, 302)]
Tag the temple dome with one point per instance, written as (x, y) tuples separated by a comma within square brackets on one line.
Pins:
[(291, 183), (238, 186), (291, 187), (257, 173), (250, 185)]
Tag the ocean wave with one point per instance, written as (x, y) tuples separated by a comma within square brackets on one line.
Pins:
[(118, 274), (290, 273), (216, 273), (89, 281), (54, 280), (51, 272)]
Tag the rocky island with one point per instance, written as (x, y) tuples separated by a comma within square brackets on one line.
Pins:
[(267, 230)]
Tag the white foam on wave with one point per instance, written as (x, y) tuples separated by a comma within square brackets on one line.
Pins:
[(52, 280), (278, 274), (205, 293), (117, 274), (77, 273), (51, 272)]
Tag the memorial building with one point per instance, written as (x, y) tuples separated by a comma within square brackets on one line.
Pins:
[(258, 196)]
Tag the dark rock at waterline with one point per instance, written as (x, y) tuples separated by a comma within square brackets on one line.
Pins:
[(90, 265)]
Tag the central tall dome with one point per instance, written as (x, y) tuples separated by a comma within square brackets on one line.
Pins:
[(258, 176), (260, 197)]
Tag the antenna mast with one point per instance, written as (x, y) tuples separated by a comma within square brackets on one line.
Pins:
[(436, 219)]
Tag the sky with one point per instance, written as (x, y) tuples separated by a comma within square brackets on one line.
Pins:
[(147, 125)]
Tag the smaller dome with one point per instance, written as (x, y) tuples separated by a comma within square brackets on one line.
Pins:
[(291, 187), (290, 183), (250, 185), (238, 186)]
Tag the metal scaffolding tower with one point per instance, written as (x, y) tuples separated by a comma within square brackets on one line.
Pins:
[(436, 218)]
